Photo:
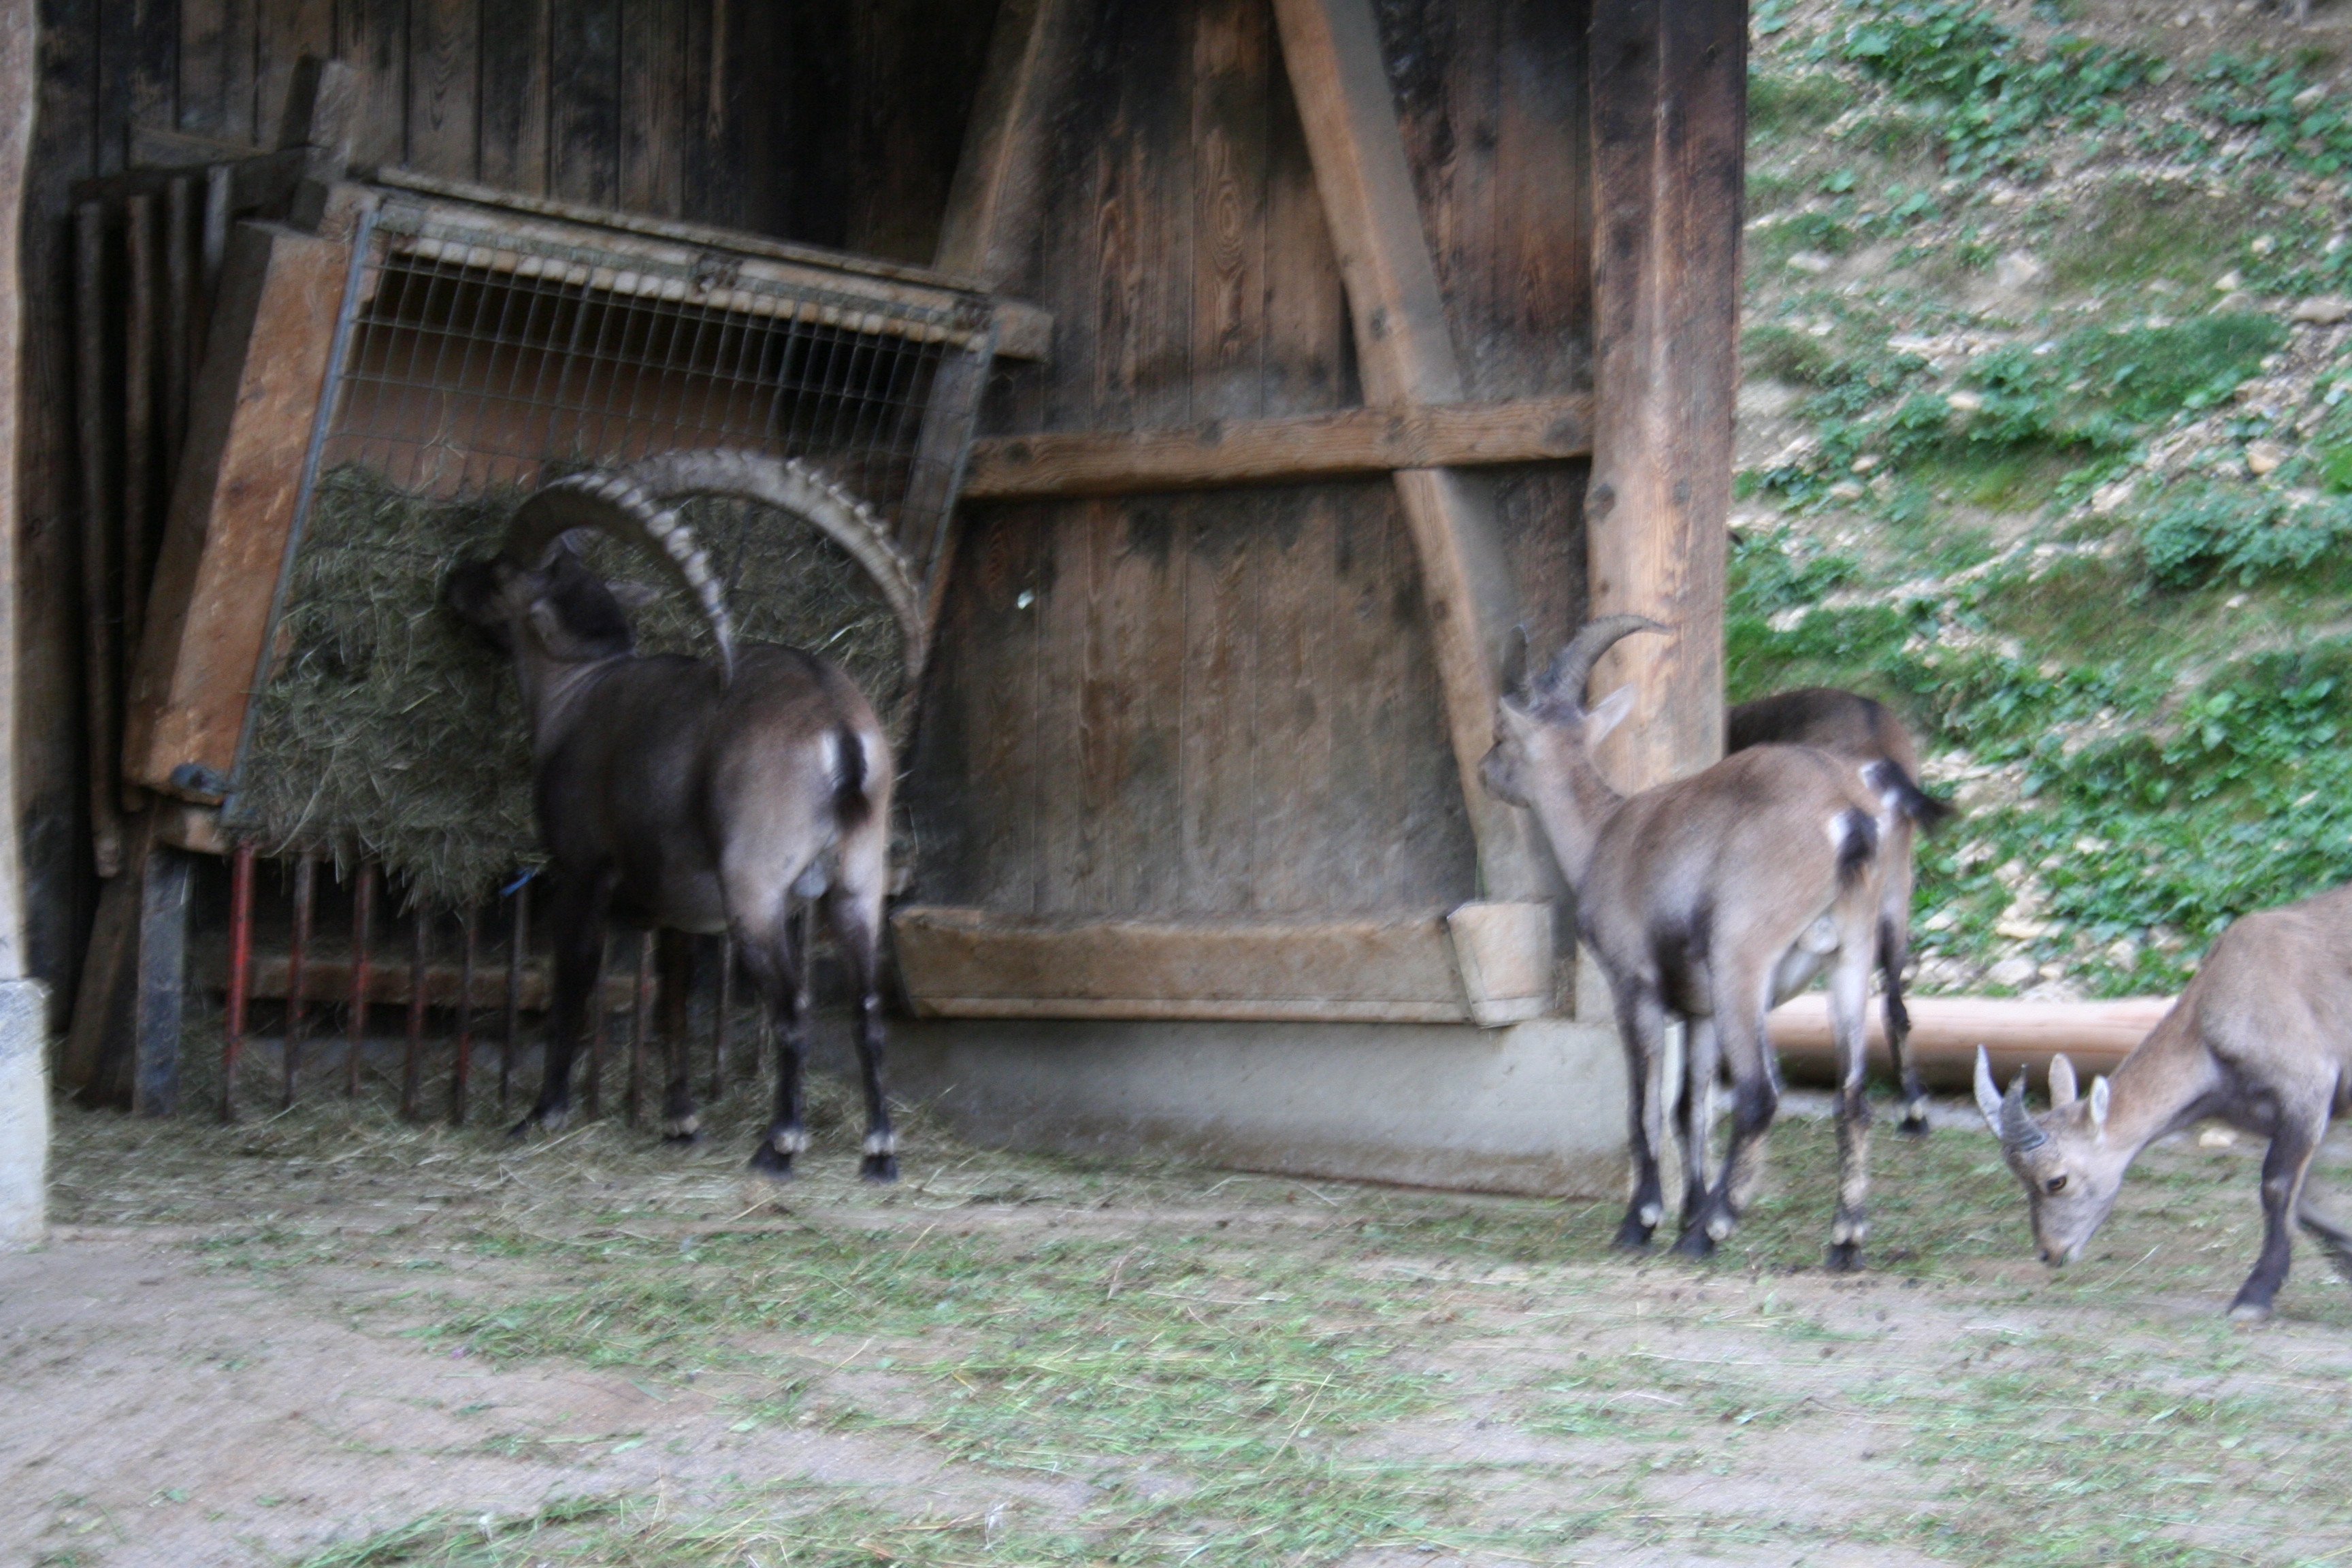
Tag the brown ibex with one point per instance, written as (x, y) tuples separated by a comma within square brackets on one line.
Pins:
[(2261, 1039), (1855, 727), (692, 794), (1709, 899)]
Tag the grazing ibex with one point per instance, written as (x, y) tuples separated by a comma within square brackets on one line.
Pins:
[(1855, 727), (2262, 1039), (1710, 899), (693, 794)]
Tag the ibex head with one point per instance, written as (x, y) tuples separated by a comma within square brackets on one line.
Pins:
[(537, 597), (2070, 1169), (1542, 731)]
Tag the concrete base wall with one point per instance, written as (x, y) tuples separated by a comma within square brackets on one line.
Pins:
[(23, 1112), (1536, 1107)]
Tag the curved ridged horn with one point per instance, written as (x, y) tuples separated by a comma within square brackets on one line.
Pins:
[(1572, 666), (2018, 1130), (790, 486), (614, 504)]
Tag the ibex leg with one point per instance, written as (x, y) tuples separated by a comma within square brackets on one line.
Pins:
[(857, 916), (681, 1124), (1894, 956), (1848, 988), (576, 910), (774, 968), (1641, 1027), (2284, 1168)]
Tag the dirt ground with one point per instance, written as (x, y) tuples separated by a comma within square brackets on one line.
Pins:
[(326, 1338)]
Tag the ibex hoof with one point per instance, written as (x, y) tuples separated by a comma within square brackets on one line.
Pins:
[(1914, 1125), (770, 1161), (878, 1168), (1633, 1236), (540, 1121), (1846, 1257), (1694, 1242), (687, 1138)]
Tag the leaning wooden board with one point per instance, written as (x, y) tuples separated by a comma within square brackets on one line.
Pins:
[(251, 413)]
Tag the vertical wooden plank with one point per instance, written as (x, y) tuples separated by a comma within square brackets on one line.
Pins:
[(1142, 229), (989, 227), (1669, 84), (94, 385), (654, 93), (445, 83), (513, 118), (1217, 740), (163, 981), (1295, 792), (289, 30), (1130, 727), (205, 43), (18, 71), (156, 65), (584, 107), (1065, 853), (1332, 49), (1232, 51), (371, 35), (141, 460), (706, 157), (1538, 327)]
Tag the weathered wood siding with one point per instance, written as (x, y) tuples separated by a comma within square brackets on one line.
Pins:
[(821, 121), (1225, 702)]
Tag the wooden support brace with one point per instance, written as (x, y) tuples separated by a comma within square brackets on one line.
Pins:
[(1350, 443), (1669, 123), (1332, 51)]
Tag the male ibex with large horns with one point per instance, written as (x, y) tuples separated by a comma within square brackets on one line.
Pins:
[(693, 794), (1709, 899), (2262, 1039), (1862, 731)]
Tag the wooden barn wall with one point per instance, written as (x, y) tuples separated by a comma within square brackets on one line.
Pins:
[(835, 122), (1225, 703)]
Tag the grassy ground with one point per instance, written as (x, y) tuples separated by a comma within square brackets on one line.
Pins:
[(1042, 1361), (2047, 439)]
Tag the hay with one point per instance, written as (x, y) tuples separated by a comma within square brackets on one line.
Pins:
[(387, 731)]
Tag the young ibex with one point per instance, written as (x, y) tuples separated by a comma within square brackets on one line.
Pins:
[(2262, 1039), (1710, 899), (692, 794), (1862, 731)]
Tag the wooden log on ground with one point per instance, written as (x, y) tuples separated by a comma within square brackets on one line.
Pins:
[(1947, 1030)]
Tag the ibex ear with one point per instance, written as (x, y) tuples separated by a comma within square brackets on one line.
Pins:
[(2099, 1096), (2062, 1082), (1607, 714)]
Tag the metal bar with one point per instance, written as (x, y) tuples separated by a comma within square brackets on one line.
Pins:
[(180, 312), (412, 1067), (641, 1025), (100, 613), (719, 1023), (138, 417), (306, 890), (518, 943), (595, 1097), (362, 949), (462, 1069), (240, 970)]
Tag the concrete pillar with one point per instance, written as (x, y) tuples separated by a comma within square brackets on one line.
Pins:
[(23, 1008)]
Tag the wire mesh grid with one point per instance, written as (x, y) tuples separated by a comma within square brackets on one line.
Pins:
[(479, 358)]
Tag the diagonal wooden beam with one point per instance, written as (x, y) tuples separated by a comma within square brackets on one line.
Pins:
[(992, 203), (1332, 51), (1669, 124)]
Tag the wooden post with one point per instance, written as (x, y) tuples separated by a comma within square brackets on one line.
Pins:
[(1332, 51), (1669, 126), (163, 981)]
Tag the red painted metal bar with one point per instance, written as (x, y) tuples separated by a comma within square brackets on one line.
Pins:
[(518, 944), (363, 954), (240, 970), (719, 1020), (641, 1025), (412, 1067), (297, 951), (463, 1067), (595, 1089)]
